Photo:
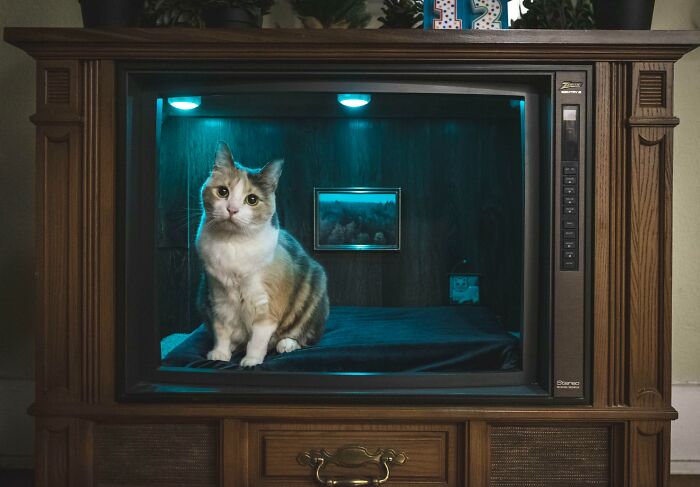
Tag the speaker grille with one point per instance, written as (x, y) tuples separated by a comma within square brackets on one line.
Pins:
[(542, 456), (652, 89), (157, 455)]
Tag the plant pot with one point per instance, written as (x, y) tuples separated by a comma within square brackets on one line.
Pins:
[(111, 13), (231, 18), (623, 14)]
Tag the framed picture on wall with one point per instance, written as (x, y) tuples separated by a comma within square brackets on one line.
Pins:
[(357, 218)]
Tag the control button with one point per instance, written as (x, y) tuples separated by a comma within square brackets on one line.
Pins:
[(570, 170), (569, 224), (569, 234), (569, 264), (570, 244), (569, 180), (569, 200), (569, 210), (569, 190), (569, 254)]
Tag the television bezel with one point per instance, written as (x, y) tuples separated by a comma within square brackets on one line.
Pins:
[(140, 375)]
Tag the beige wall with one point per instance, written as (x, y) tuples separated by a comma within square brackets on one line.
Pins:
[(685, 14), (16, 211)]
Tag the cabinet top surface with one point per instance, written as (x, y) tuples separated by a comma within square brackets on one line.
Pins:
[(360, 44)]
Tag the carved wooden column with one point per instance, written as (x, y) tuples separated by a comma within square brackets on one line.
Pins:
[(650, 141), (75, 207)]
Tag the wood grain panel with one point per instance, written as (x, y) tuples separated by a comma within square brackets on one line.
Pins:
[(649, 160), (233, 453), (104, 161), (432, 451), (380, 44), (478, 454), (650, 454), (58, 260), (618, 278), (52, 452), (602, 361)]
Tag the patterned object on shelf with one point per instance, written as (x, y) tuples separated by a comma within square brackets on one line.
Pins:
[(466, 14)]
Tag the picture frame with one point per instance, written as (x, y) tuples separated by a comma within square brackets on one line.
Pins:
[(357, 219)]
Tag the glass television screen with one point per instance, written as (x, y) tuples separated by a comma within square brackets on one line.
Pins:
[(386, 231)]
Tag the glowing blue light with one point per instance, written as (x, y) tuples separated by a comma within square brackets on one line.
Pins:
[(354, 100), (185, 102)]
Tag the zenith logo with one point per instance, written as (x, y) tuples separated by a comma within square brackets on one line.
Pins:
[(571, 87), (568, 384)]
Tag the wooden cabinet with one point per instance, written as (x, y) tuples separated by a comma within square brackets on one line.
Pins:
[(86, 437)]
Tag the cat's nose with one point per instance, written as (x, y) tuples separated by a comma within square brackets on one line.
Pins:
[(233, 211)]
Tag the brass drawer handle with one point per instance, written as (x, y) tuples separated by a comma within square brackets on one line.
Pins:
[(352, 457)]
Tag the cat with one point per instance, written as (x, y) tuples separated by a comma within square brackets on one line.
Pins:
[(259, 286)]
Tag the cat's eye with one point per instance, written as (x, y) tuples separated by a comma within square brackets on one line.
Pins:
[(222, 191), (252, 199)]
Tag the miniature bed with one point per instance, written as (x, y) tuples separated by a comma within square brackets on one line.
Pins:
[(363, 339)]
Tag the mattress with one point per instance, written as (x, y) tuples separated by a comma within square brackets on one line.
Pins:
[(379, 340)]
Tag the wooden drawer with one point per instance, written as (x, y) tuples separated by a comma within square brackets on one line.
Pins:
[(433, 452)]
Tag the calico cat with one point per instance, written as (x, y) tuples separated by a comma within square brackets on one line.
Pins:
[(259, 285)]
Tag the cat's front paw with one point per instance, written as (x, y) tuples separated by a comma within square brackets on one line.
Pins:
[(222, 355), (249, 361), (287, 345)]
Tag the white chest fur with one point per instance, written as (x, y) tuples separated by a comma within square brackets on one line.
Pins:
[(234, 259)]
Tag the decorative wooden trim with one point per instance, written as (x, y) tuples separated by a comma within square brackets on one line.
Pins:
[(90, 235), (83, 449), (602, 358), (652, 85), (649, 310), (357, 44), (57, 91), (52, 453), (610, 258), (58, 256), (97, 231), (478, 454), (649, 445), (287, 412), (233, 453), (64, 453), (105, 158), (618, 455), (432, 451), (653, 122)]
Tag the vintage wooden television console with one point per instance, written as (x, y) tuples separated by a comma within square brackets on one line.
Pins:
[(87, 434)]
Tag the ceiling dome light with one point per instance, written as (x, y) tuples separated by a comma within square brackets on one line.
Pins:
[(185, 102), (354, 100)]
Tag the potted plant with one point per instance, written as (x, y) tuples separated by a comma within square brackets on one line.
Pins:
[(402, 14), (332, 14), (206, 13), (113, 13), (623, 14), (236, 13), (555, 14)]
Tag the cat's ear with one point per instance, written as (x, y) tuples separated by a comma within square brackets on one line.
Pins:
[(271, 173), (223, 157)]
